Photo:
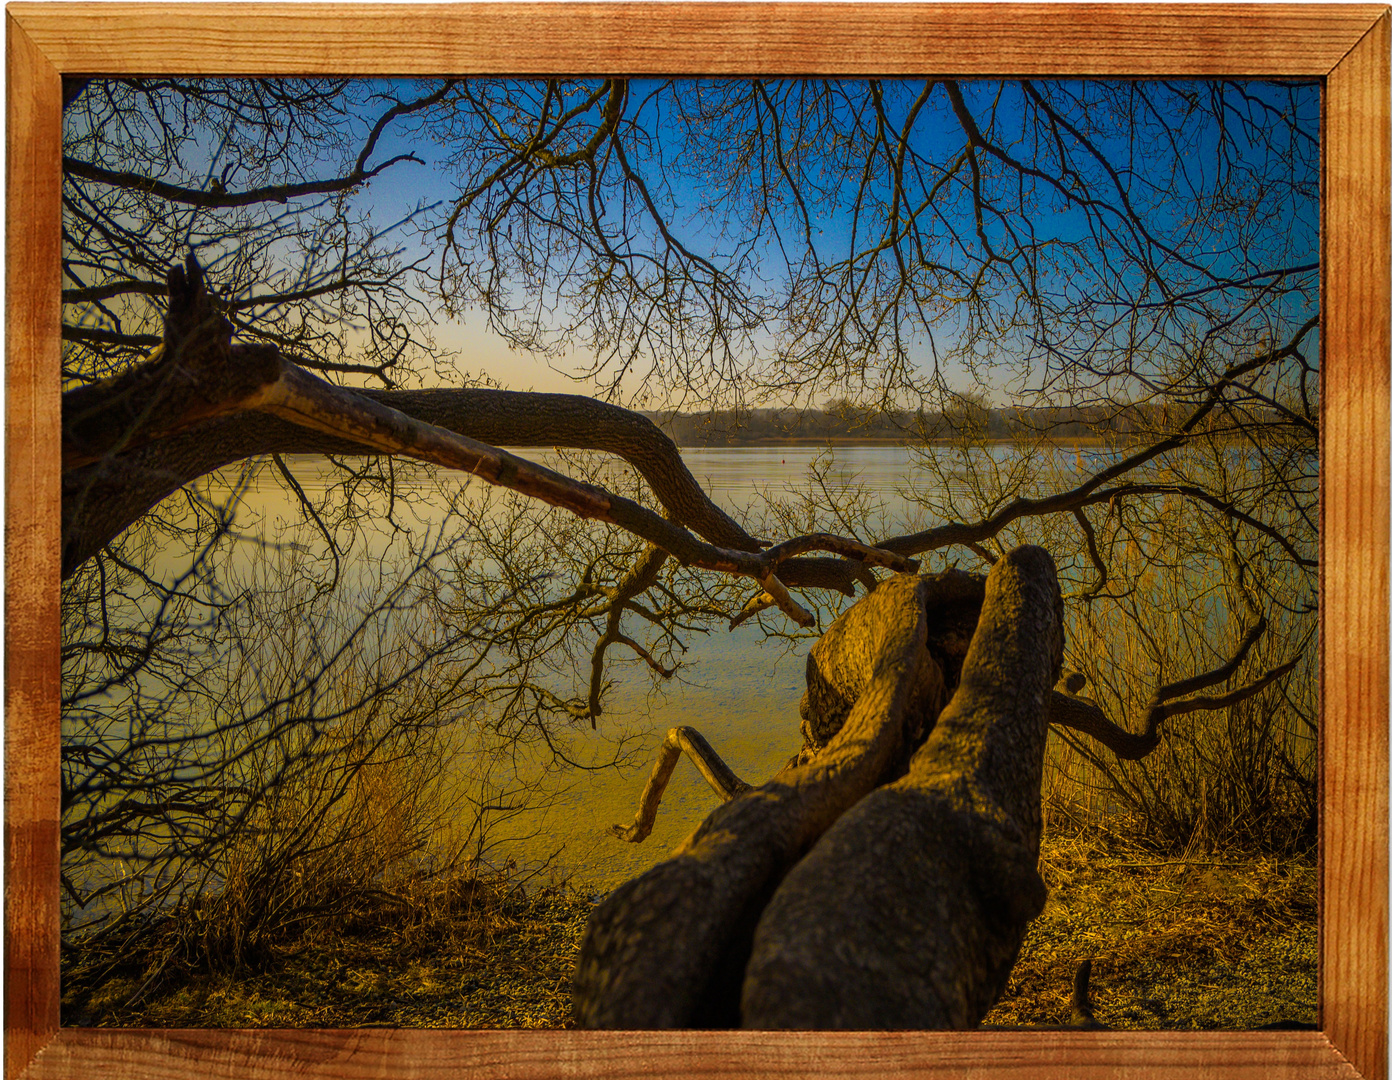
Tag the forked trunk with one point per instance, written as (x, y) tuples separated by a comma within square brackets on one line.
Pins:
[(862, 888)]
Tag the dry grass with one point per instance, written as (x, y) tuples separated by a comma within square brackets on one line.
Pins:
[(1210, 943), (1207, 942), (476, 950)]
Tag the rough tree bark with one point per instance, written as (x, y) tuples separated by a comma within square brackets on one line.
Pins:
[(667, 949), (910, 910), (823, 899)]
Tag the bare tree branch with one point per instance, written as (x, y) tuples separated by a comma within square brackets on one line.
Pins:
[(1082, 714), (680, 739)]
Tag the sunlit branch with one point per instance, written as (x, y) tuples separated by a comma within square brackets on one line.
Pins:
[(1083, 714), (679, 740)]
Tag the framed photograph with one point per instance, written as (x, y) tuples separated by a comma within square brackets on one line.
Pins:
[(1099, 296)]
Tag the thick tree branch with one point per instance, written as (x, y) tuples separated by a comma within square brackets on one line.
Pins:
[(199, 374), (195, 375), (216, 197), (310, 402), (1085, 715)]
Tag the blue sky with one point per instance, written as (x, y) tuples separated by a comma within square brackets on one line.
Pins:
[(935, 132), (1284, 236)]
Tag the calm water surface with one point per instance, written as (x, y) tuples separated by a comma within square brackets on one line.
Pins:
[(738, 688)]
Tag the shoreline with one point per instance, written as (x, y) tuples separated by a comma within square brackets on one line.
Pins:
[(1070, 443), (1224, 942)]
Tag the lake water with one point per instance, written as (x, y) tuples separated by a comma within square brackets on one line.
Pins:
[(738, 688)]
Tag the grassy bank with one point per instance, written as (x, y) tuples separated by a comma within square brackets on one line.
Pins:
[(1219, 942), (477, 950), (1213, 943)]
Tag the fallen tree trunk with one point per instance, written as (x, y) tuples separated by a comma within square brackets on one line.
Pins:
[(817, 901), (910, 910), (931, 878), (667, 949)]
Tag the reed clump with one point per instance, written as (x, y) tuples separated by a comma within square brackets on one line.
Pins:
[(1240, 779), (355, 890)]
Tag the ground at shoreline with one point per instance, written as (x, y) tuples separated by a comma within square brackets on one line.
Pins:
[(1216, 942), (500, 956)]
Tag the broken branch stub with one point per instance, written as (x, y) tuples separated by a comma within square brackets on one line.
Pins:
[(718, 775), (909, 911), (196, 374)]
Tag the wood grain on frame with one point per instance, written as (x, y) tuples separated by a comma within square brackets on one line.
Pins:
[(33, 284), (1349, 45), (1354, 306), (638, 38)]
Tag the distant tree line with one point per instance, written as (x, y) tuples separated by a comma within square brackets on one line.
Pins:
[(969, 418)]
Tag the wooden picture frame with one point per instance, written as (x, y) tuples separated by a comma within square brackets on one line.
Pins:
[(1348, 47)]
